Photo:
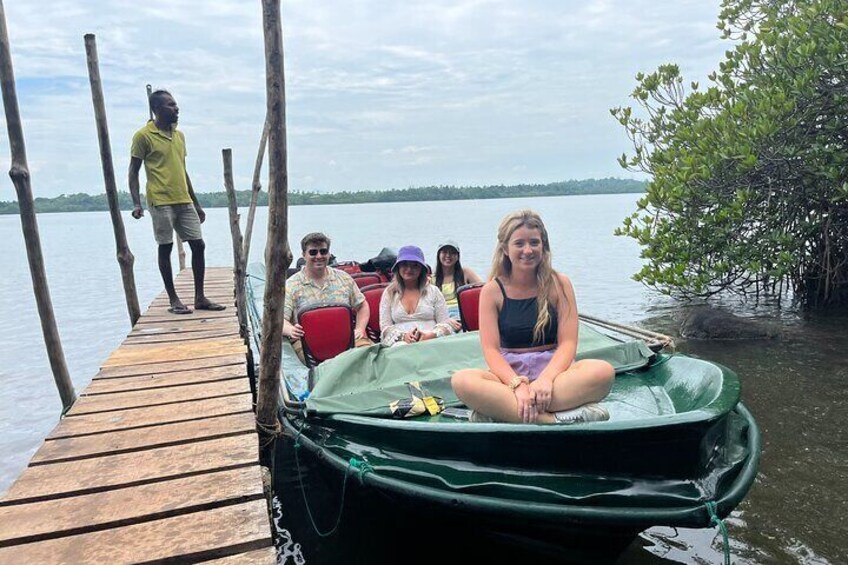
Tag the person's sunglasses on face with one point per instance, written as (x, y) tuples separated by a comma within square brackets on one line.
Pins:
[(322, 251)]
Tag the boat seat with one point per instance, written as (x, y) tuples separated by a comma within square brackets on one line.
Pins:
[(366, 279), (468, 299), (349, 267), (328, 330), (373, 293)]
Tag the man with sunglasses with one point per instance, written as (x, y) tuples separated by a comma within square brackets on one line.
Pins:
[(318, 283)]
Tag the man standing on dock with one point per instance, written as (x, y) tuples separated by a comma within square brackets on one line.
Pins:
[(171, 200)]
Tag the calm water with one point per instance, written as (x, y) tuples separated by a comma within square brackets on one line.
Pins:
[(795, 386)]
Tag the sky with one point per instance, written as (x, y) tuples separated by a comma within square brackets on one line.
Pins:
[(380, 94)]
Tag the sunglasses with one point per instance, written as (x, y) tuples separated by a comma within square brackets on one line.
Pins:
[(313, 252)]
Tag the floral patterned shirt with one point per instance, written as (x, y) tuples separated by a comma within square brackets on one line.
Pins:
[(337, 287)]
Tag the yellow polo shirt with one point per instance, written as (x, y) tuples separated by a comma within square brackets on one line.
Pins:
[(164, 156)]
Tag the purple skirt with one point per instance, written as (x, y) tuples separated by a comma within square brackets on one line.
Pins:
[(529, 364)]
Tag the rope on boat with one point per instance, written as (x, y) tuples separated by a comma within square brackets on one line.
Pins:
[(362, 467), (716, 521), (359, 466)]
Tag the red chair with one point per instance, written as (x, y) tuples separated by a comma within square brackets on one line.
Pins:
[(328, 331), (468, 299), (366, 279), (349, 267), (373, 293)]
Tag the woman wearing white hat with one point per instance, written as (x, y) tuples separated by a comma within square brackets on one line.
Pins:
[(450, 275)]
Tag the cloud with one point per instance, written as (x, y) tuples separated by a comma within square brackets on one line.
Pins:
[(435, 92)]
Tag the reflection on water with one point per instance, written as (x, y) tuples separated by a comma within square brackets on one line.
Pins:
[(795, 385)]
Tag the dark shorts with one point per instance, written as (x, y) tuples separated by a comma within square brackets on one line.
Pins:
[(180, 218)]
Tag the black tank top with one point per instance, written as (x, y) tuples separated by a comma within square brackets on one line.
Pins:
[(517, 319)]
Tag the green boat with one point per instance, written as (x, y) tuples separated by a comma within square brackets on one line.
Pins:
[(679, 449)]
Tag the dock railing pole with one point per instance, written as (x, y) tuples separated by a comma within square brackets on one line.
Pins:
[(254, 195), (277, 252), (124, 255), (19, 173), (235, 231)]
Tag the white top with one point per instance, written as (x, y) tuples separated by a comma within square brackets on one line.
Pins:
[(431, 314)]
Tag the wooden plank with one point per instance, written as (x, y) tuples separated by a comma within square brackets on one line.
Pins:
[(267, 556), (121, 441), (187, 340), (230, 332), (160, 380), (196, 315), (181, 352), (181, 337), (127, 469), (25, 523), (178, 325), (172, 366), (157, 397), (100, 422), (189, 538)]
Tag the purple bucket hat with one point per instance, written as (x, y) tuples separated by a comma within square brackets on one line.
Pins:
[(410, 253)]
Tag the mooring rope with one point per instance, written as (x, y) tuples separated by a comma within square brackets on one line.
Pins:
[(716, 521), (361, 466)]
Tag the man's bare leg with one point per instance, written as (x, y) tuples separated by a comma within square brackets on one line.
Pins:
[(198, 267), (177, 307)]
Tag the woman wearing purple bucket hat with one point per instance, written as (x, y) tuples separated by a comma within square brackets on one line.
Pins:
[(411, 308), (528, 333)]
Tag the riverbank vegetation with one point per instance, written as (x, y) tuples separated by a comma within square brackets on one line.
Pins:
[(89, 203), (749, 176)]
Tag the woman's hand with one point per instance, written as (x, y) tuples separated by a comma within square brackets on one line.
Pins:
[(542, 390), (411, 336), (455, 324), (526, 397), (424, 336)]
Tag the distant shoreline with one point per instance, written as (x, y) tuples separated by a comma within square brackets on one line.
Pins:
[(83, 202)]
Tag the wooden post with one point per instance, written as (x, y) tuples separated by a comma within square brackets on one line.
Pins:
[(180, 250), (19, 172), (277, 252), (125, 256), (256, 187), (235, 231)]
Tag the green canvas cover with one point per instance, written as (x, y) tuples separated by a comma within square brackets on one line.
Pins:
[(367, 380)]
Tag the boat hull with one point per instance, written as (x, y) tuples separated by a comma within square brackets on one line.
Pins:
[(641, 503)]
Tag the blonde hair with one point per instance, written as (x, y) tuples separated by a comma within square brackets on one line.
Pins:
[(546, 278)]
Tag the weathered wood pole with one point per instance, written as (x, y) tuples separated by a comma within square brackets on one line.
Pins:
[(277, 252), (255, 187), (125, 256), (19, 172), (180, 250), (235, 231)]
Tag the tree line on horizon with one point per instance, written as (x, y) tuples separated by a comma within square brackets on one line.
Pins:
[(83, 202)]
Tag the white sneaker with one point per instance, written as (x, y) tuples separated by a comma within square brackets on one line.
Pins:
[(476, 416), (587, 413)]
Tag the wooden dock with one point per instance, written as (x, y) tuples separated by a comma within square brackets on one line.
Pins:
[(158, 459)]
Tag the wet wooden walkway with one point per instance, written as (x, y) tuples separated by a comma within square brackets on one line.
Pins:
[(158, 459)]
